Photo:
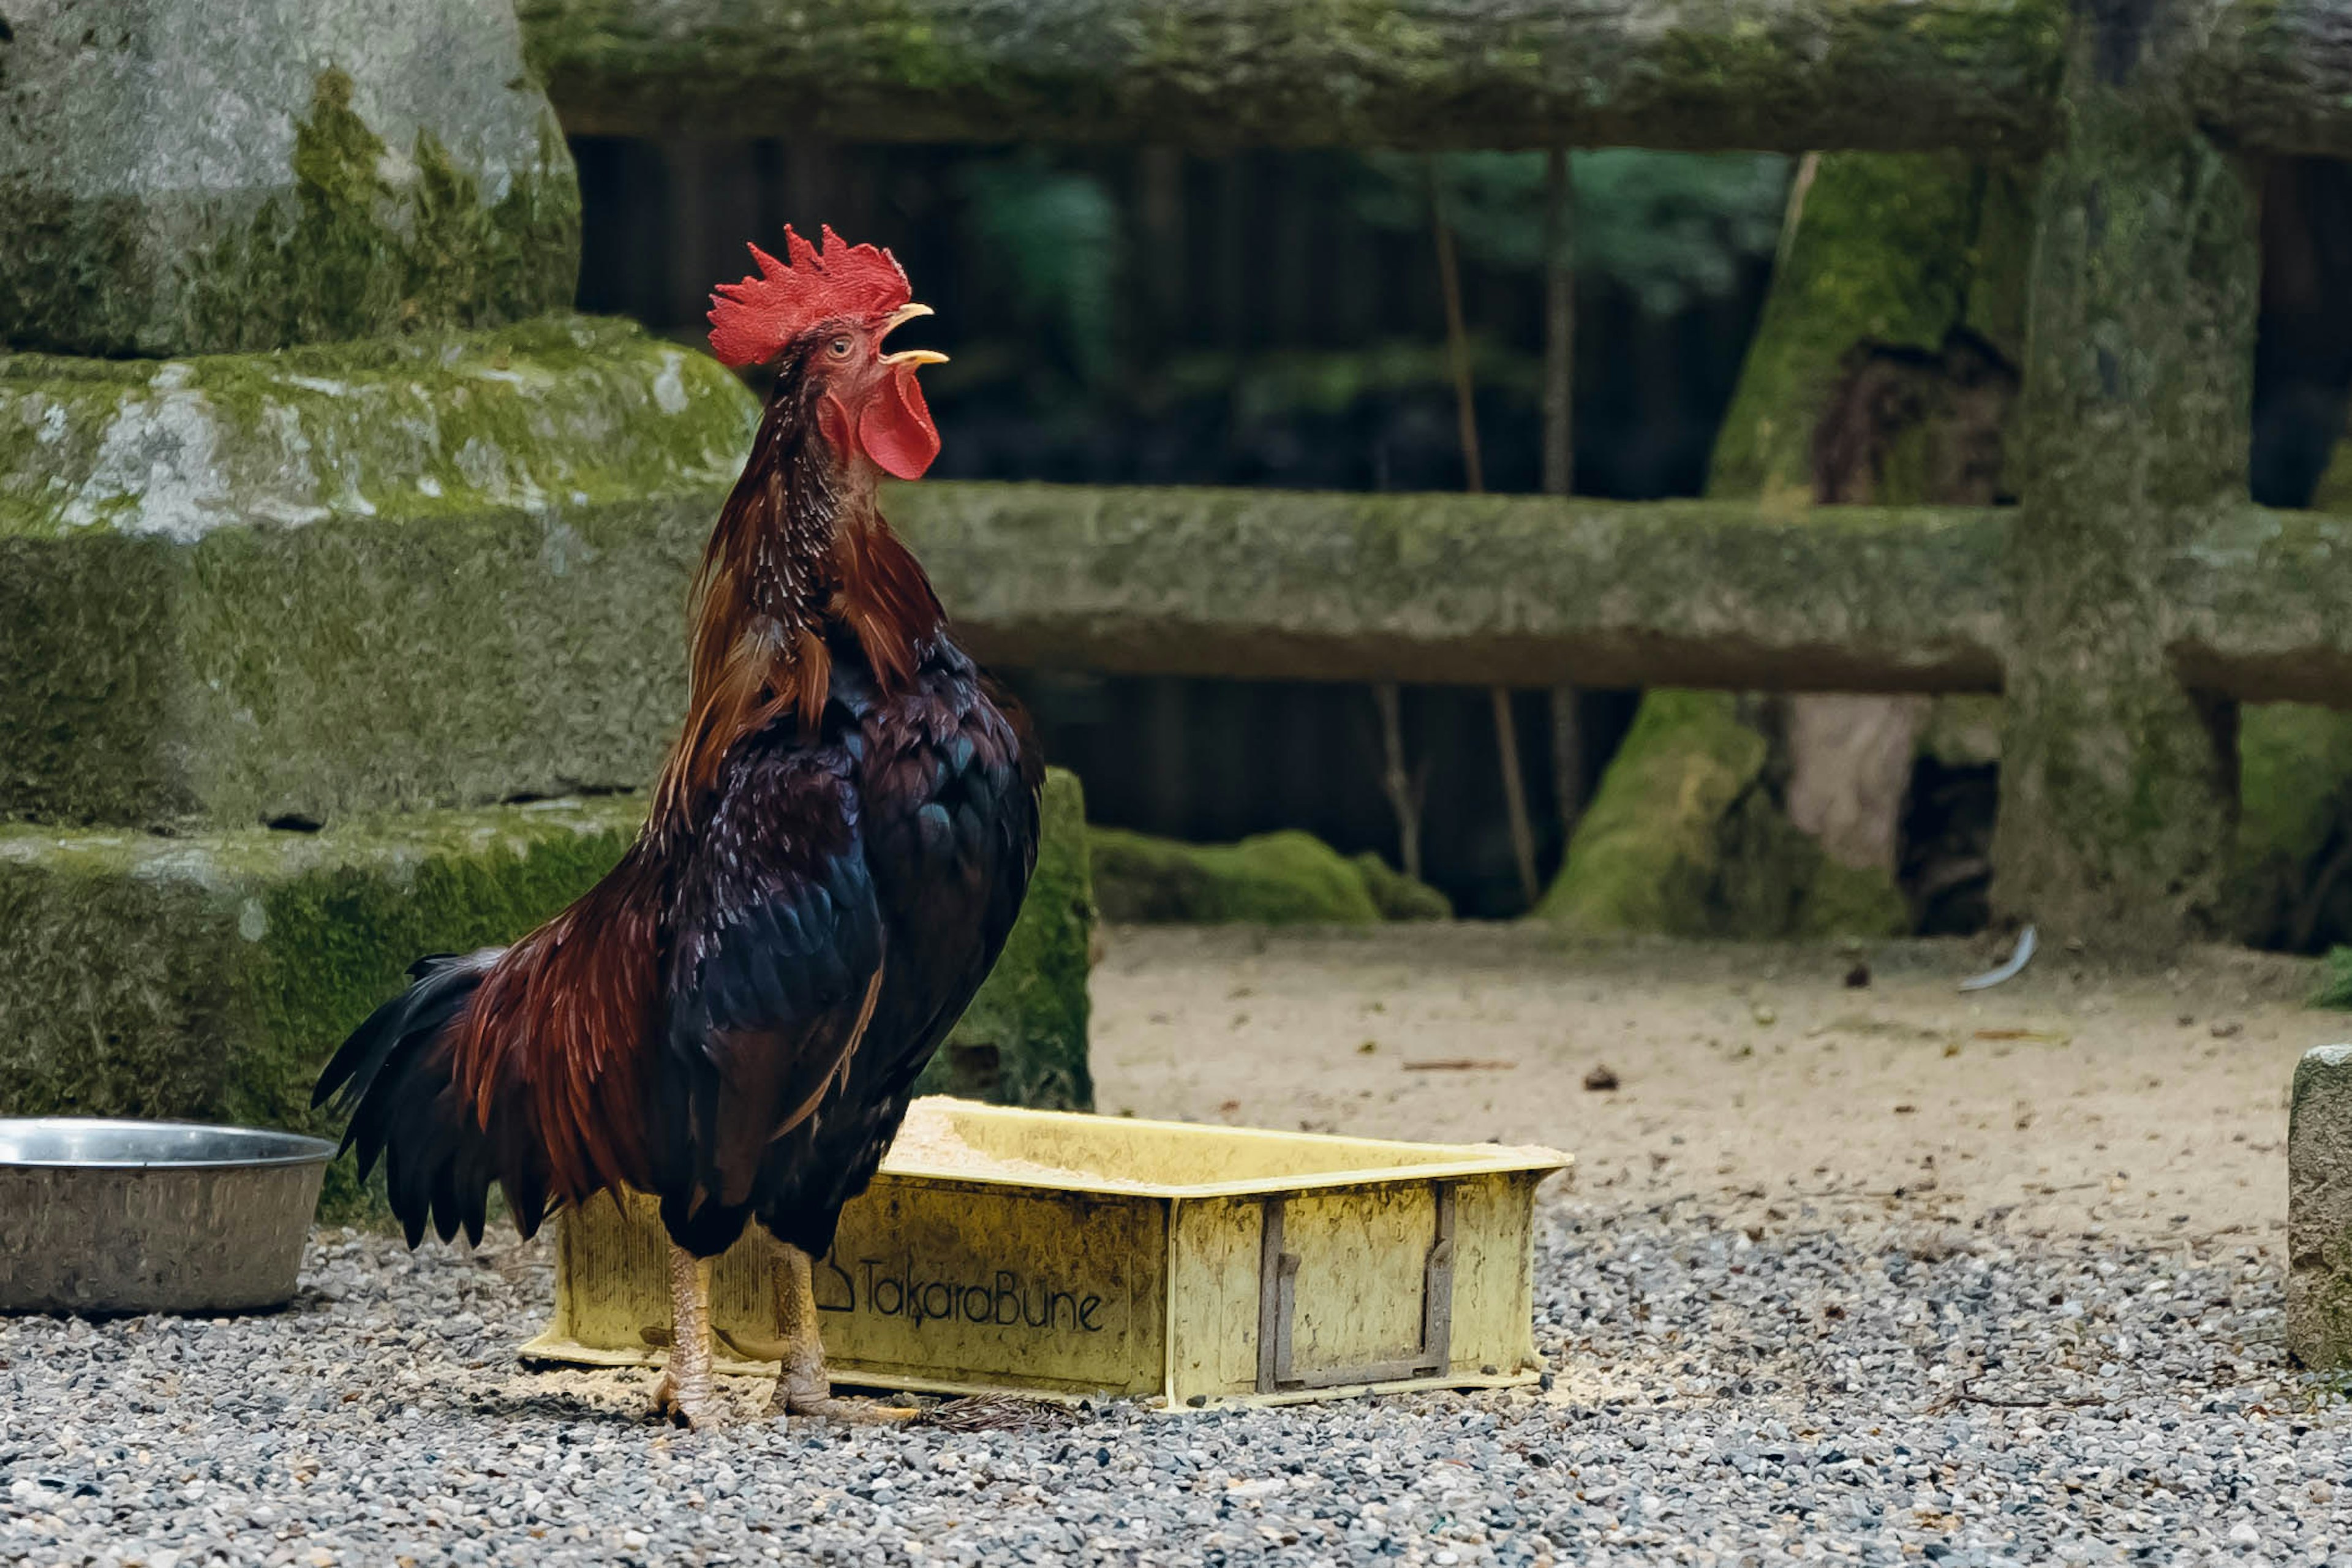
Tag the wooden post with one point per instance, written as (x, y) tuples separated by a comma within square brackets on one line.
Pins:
[(2118, 783), (1560, 452), (1465, 413), (1404, 787)]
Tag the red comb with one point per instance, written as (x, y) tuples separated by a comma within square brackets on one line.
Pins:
[(752, 320)]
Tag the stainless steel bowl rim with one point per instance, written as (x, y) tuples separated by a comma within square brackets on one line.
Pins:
[(197, 1146)]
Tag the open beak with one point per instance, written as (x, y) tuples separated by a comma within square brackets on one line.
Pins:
[(910, 357)]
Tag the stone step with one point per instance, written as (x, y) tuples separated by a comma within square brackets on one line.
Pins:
[(210, 976), (443, 571)]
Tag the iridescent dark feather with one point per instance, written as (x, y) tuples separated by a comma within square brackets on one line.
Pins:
[(950, 780)]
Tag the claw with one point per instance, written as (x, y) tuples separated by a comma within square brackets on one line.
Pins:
[(851, 1412), (698, 1411)]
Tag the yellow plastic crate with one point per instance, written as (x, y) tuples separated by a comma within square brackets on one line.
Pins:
[(1069, 1255)]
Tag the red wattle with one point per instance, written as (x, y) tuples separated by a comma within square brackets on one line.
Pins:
[(896, 428)]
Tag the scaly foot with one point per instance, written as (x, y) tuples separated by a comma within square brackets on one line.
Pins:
[(690, 1402), (801, 1386), (685, 1393), (820, 1403)]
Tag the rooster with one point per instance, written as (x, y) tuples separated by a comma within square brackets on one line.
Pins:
[(734, 1018)]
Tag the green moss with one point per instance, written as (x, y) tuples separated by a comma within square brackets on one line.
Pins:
[(1397, 896), (345, 253), (1894, 251), (1311, 72), (1473, 589), (2133, 432), (1686, 837), (1024, 1039), (2334, 990), (1963, 730), (1274, 878), (2294, 798), (1648, 851), (1849, 902), (211, 976)]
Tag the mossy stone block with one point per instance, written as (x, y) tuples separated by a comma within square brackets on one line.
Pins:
[(183, 177), (2319, 1210), (211, 976), (441, 571), (1274, 878)]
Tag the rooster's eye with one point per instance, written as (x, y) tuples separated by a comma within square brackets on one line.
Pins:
[(838, 348)]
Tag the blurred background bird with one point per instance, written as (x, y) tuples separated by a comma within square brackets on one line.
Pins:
[(733, 1020)]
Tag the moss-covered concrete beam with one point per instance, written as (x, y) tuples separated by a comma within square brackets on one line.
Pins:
[(1524, 590), (1976, 75), (1790, 74), (209, 976), (2257, 605)]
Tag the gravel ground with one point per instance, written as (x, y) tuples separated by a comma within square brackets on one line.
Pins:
[(1993, 1282), (1851, 1379)]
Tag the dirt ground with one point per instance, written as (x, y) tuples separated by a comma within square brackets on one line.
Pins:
[(2071, 1100)]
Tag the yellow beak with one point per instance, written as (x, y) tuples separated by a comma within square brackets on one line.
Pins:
[(899, 318)]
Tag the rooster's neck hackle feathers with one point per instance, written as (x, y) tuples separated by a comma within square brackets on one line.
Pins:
[(799, 547), (752, 321)]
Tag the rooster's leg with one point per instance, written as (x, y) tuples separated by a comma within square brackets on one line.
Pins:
[(801, 1386), (685, 1393)]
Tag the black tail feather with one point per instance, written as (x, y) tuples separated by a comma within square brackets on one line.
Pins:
[(395, 1083)]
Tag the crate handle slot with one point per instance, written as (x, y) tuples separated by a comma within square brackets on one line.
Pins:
[(1277, 1311)]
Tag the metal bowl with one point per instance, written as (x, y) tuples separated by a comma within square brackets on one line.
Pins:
[(153, 1217)]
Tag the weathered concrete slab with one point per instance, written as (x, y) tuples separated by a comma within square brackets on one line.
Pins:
[(2319, 1209), (435, 571), (211, 975), (1524, 590), (1484, 73), (182, 176), (1976, 75)]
